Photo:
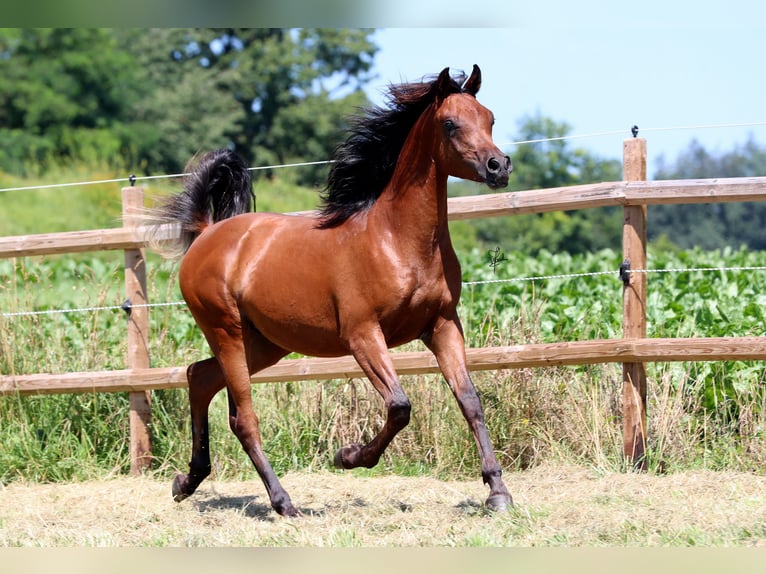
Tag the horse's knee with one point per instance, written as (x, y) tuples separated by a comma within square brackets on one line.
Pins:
[(399, 413)]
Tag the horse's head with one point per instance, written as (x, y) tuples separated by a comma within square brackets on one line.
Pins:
[(464, 133)]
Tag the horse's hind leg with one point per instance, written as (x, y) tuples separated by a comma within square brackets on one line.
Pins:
[(205, 380), (371, 353), (242, 418), (244, 424)]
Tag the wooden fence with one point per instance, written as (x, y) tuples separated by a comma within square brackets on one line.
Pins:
[(633, 350)]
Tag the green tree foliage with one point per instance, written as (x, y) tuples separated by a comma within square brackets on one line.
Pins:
[(549, 164), (711, 225), (150, 99), (274, 95), (66, 94)]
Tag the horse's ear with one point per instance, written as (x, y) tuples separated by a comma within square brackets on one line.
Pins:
[(443, 84), (473, 83)]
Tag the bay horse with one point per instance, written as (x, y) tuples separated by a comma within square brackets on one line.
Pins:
[(372, 269)]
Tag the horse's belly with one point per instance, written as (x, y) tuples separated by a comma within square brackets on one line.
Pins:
[(306, 341), (315, 325), (301, 326)]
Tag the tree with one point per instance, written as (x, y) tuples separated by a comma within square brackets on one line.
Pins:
[(548, 164), (714, 225), (148, 100), (274, 95), (65, 94)]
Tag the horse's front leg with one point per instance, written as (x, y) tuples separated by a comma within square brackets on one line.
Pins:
[(370, 351), (448, 345)]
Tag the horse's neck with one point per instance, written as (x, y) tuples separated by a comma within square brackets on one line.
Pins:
[(415, 201), (414, 205)]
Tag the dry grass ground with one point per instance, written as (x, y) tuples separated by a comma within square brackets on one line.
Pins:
[(555, 506)]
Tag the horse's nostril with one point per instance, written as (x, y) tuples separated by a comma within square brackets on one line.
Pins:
[(493, 164)]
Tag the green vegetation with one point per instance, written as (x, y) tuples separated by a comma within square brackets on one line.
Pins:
[(146, 100), (702, 414)]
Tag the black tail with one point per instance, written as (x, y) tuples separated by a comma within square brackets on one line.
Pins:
[(218, 187)]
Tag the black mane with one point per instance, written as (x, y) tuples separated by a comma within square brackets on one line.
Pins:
[(365, 162)]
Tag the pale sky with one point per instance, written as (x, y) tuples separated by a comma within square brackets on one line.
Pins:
[(655, 64)]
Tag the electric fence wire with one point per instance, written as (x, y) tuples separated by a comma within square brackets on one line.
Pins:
[(124, 307), (127, 306), (132, 178)]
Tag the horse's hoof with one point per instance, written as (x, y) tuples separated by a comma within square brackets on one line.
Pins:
[(499, 503), (341, 459), (178, 491), (337, 462), (291, 512)]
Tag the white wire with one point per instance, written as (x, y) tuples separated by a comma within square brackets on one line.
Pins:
[(560, 138), (596, 273), (301, 164), (72, 184), (640, 130), (90, 309), (323, 162), (465, 283), (693, 269), (540, 278), (703, 127), (151, 177)]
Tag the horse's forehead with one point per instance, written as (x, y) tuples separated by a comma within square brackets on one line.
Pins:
[(459, 104)]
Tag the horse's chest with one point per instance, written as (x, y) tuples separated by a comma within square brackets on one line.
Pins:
[(427, 297), (411, 307)]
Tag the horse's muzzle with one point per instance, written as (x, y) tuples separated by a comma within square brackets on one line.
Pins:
[(498, 171)]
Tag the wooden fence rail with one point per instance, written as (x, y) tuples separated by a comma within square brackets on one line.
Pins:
[(633, 350), (411, 363), (621, 193)]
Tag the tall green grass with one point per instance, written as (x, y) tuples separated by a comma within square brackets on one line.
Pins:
[(707, 415)]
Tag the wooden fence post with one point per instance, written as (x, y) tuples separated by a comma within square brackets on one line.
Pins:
[(138, 335), (634, 307)]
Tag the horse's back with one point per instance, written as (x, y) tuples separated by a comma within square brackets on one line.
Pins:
[(227, 237), (227, 249)]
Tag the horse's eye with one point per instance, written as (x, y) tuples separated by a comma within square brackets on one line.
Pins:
[(450, 127)]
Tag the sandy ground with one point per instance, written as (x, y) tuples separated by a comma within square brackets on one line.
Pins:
[(554, 506)]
